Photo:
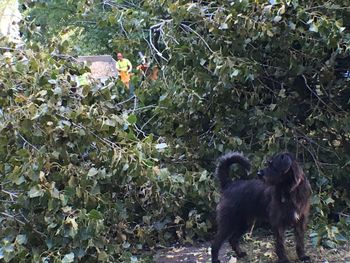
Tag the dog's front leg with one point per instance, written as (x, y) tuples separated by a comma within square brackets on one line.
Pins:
[(280, 250), (300, 229)]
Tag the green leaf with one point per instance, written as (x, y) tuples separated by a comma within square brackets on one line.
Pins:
[(92, 172), (313, 27), (277, 19), (235, 73), (54, 192), (282, 93), (68, 258), (132, 119), (20, 180), (102, 256), (269, 33), (57, 91), (180, 131), (109, 122), (161, 146), (204, 176), (238, 141), (314, 237), (329, 200), (223, 26), (21, 239), (282, 10), (35, 191), (95, 215)]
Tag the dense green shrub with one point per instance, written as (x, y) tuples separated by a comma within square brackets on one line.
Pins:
[(80, 180)]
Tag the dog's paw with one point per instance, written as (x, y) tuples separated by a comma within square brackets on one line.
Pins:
[(241, 254), (305, 258)]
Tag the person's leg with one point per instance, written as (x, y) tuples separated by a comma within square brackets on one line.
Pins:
[(131, 89)]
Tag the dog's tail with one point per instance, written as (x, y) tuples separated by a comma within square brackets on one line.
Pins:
[(223, 167)]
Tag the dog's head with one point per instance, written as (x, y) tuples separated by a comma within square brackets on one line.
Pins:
[(282, 169)]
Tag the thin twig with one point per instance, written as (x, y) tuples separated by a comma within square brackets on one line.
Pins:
[(13, 217), (152, 29), (26, 142), (125, 101), (7, 201), (309, 140), (143, 126), (148, 107), (345, 215), (139, 130), (328, 7), (104, 140), (12, 49), (319, 98), (120, 21), (12, 195), (193, 31), (314, 158)]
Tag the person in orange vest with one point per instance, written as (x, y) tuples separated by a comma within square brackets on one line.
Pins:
[(145, 69), (154, 74), (124, 68)]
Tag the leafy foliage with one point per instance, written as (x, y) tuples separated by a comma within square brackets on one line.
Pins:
[(96, 176), (78, 178)]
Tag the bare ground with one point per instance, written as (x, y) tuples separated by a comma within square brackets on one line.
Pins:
[(259, 249)]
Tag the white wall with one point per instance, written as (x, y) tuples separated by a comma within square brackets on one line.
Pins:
[(9, 19)]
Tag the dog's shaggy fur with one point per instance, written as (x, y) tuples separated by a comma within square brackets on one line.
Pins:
[(281, 197)]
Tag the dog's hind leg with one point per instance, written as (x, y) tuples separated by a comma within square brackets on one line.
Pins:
[(216, 245), (224, 232), (300, 229), (234, 240), (280, 250)]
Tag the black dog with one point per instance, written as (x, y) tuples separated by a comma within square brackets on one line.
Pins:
[(281, 198)]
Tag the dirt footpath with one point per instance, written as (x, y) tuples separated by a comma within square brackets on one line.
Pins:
[(260, 250)]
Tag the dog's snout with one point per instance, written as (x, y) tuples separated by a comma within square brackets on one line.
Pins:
[(260, 173)]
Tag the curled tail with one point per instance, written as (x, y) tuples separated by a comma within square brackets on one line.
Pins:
[(223, 167)]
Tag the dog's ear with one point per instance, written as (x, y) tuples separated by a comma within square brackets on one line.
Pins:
[(285, 162), (298, 175)]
